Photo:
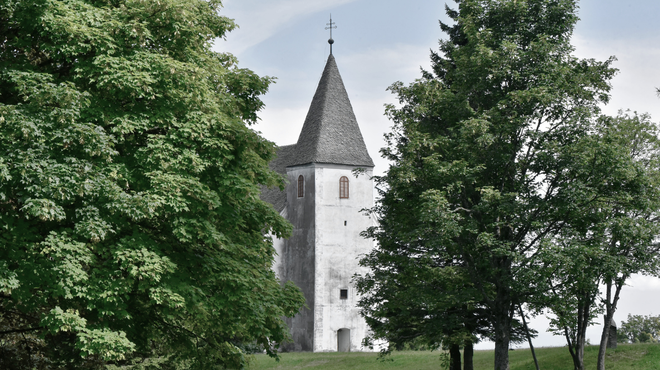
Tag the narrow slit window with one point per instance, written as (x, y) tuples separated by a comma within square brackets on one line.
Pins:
[(343, 187), (301, 186), (343, 293)]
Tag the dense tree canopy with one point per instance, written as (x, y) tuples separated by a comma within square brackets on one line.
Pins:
[(481, 145), (613, 235), (129, 188), (639, 329)]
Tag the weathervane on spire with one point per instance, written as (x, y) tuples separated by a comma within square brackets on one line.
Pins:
[(331, 25)]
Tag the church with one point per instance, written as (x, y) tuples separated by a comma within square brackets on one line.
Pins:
[(323, 200)]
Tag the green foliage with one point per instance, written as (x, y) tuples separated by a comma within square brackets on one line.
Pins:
[(639, 329), (129, 188), (417, 345), (484, 169), (614, 235)]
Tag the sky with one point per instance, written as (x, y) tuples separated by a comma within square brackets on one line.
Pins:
[(379, 42)]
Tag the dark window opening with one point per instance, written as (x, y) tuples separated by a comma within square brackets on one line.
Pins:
[(343, 187), (344, 223), (343, 293), (301, 186)]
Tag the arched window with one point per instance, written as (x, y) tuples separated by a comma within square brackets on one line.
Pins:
[(343, 187), (301, 186)]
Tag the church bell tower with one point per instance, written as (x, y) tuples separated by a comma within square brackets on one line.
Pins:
[(323, 199)]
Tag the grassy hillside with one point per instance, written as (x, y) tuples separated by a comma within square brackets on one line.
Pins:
[(632, 356)]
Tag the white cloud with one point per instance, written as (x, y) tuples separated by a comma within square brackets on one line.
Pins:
[(367, 75), (258, 20), (374, 69), (639, 75), (282, 126), (642, 283)]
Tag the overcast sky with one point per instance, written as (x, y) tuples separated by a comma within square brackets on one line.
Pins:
[(378, 42)]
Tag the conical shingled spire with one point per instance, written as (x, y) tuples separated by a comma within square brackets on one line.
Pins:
[(331, 133)]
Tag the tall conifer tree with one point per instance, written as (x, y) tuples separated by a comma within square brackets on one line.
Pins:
[(478, 151)]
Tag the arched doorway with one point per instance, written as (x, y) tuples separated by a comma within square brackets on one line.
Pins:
[(344, 340)]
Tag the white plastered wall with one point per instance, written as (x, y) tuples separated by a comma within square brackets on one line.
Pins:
[(339, 245)]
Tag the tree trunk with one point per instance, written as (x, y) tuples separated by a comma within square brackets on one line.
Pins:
[(529, 337), (468, 353), (502, 328), (585, 314), (571, 348), (610, 307), (603, 342), (503, 309), (455, 357), (578, 360), (576, 345)]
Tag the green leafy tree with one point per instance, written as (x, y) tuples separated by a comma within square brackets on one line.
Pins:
[(401, 303), (639, 329), (129, 187), (613, 236), (481, 143), (574, 291)]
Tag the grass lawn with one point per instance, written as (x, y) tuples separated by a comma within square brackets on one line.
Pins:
[(627, 356)]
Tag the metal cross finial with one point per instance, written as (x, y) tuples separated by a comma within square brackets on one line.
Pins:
[(331, 25)]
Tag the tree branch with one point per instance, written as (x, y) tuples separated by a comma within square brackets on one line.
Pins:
[(20, 330)]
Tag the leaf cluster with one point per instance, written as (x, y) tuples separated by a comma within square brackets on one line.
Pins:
[(505, 174), (639, 329), (129, 186)]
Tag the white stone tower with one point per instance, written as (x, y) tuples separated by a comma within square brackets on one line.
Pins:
[(322, 200)]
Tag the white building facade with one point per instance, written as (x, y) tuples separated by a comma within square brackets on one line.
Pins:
[(323, 200)]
